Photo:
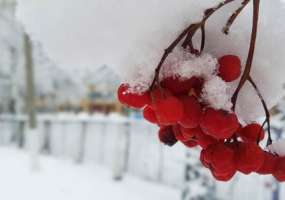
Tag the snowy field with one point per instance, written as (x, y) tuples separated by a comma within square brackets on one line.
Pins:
[(64, 180), (71, 169)]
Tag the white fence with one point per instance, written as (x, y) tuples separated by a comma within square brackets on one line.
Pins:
[(124, 145), (128, 146)]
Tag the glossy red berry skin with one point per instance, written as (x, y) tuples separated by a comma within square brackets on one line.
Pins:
[(190, 133), (227, 176), (204, 159), (178, 87), (168, 110), (230, 68), (250, 157), (220, 159), (133, 100), (166, 136), (204, 140), (252, 133), (192, 112), (219, 124), (178, 134), (279, 171), (190, 143), (269, 164), (223, 158), (149, 115), (158, 94)]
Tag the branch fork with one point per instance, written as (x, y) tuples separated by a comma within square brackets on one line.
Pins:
[(186, 41)]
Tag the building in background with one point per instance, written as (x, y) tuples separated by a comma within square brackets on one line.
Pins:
[(57, 89)]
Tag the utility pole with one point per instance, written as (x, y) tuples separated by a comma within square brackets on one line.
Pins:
[(32, 134), (30, 101)]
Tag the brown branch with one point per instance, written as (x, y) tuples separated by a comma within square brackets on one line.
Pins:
[(189, 32), (267, 113), (234, 16), (166, 53), (203, 38), (201, 25), (247, 70)]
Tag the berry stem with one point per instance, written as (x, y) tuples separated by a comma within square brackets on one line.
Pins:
[(267, 113), (246, 73), (189, 32), (234, 16), (201, 25)]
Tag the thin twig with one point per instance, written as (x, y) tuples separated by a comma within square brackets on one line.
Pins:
[(267, 113), (234, 16), (201, 25), (247, 70), (189, 32)]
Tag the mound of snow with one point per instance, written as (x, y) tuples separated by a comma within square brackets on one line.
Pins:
[(131, 35)]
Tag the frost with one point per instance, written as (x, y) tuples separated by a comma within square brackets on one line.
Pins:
[(204, 66), (131, 35), (216, 93)]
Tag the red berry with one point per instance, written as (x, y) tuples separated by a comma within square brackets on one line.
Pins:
[(203, 159), (279, 171), (177, 86), (220, 159), (227, 176), (168, 110), (269, 164), (230, 68), (132, 99), (204, 140), (219, 124), (190, 143), (189, 133), (207, 154), (159, 93), (166, 136), (192, 112), (250, 157), (149, 115), (223, 158), (178, 134), (252, 133)]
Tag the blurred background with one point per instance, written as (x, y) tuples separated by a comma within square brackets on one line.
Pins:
[(63, 135)]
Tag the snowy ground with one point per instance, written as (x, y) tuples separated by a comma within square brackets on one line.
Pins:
[(64, 180)]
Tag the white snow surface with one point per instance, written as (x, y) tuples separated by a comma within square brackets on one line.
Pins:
[(278, 147), (131, 35), (63, 180), (217, 93)]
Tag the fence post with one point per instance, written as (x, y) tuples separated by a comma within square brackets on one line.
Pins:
[(46, 140), (82, 142), (127, 135), (121, 152), (21, 134)]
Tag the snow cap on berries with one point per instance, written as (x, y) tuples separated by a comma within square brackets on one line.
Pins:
[(217, 94)]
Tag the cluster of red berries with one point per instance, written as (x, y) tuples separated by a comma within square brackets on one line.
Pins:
[(176, 106), (224, 159)]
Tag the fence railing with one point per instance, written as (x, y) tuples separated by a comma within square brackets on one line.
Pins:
[(122, 144)]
